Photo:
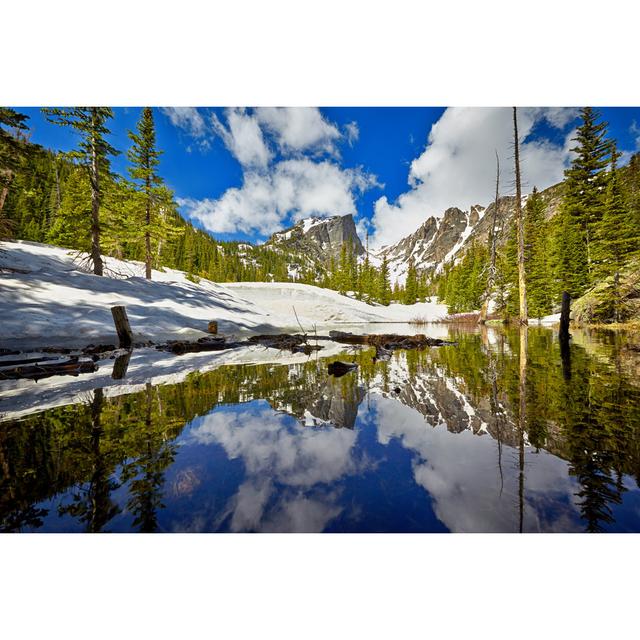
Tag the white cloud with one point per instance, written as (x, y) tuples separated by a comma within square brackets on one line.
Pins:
[(291, 189), (457, 167), (243, 137), (352, 132), (299, 129), (635, 132), (189, 120), (558, 117)]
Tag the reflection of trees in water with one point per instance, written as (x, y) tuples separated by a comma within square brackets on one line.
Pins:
[(588, 415), (589, 418), (91, 501), (146, 473)]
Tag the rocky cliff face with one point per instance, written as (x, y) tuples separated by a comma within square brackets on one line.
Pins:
[(319, 238), (443, 240), (434, 243)]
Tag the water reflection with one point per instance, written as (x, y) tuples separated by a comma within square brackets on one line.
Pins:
[(502, 432)]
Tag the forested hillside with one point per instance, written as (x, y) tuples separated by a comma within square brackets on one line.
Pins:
[(588, 247), (47, 197)]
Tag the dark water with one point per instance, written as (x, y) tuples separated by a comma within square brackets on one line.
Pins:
[(498, 433)]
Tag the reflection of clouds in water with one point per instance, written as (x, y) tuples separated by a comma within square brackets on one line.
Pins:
[(460, 472), (273, 451)]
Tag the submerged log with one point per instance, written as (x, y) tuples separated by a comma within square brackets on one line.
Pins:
[(338, 369)]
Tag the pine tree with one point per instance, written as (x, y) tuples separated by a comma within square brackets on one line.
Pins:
[(411, 285), (583, 203), (536, 256), (93, 153), (613, 242), (71, 226), (153, 198), (383, 293), (12, 151)]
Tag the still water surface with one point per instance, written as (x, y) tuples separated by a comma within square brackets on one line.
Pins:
[(497, 433)]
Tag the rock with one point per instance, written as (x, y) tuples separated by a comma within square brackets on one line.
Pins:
[(596, 305), (319, 238), (338, 368)]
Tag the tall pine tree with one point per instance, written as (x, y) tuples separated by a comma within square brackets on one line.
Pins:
[(153, 199), (93, 153), (583, 204)]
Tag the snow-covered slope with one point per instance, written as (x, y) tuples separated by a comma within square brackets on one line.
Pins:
[(46, 297), (324, 306)]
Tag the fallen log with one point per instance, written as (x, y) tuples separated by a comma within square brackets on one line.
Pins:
[(388, 341), (180, 347), (22, 361), (71, 367), (296, 343)]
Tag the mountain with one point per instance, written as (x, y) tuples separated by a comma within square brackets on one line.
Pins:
[(445, 239), (320, 239), (313, 242)]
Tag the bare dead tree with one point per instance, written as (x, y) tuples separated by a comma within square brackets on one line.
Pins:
[(491, 279), (522, 285)]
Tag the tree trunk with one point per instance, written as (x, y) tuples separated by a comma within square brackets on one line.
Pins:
[(147, 233), (492, 264), (522, 285), (96, 256), (5, 189), (123, 328)]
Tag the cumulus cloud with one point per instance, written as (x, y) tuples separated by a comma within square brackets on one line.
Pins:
[(290, 190), (190, 120), (299, 129), (291, 165), (243, 137), (457, 167)]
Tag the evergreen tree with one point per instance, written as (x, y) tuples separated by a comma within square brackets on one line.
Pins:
[(153, 198), (71, 226), (12, 151), (93, 153), (383, 294), (583, 204), (411, 285), (614, 240), (536, 256)]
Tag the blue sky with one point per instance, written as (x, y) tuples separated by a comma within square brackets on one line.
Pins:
[(244, 173)]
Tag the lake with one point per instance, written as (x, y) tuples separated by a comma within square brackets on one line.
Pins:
[(501, 432)]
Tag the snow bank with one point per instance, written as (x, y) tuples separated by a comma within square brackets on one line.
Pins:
[(47, 297), (314, 305)]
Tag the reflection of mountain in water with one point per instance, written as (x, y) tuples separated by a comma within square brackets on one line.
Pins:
[(335, 402)]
